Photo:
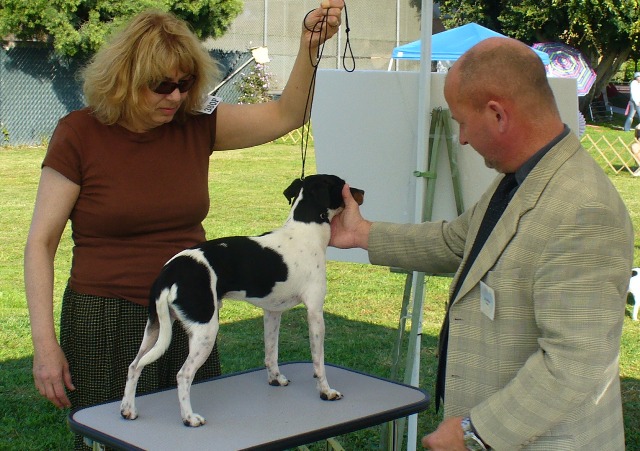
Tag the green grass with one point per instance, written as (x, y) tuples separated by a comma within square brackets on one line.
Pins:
[(362, 305)]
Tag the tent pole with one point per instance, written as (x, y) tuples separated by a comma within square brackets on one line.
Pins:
[(424, 116)]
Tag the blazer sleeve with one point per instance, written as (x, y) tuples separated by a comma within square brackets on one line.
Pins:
[(431, 247)]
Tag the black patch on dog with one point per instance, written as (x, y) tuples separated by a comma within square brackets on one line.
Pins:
[(244, 265), (195, 298), (240, 263)]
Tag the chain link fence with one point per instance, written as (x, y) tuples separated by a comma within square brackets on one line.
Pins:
[(376, 27), (36, 89)]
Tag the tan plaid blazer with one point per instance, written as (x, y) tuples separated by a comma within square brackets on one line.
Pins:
[(543, 374)]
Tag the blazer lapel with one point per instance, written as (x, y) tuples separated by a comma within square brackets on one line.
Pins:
[(524, 200)]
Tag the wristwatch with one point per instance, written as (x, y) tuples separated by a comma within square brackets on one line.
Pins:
[(471, 440)]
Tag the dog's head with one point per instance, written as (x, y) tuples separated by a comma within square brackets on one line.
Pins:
[(320, 197), (634, 284)]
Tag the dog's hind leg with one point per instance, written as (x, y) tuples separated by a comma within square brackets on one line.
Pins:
[(316, 338), (636, 306), (271, 335), (201, 340), (128, 405)]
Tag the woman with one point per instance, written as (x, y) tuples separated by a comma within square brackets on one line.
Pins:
[(130, 171)]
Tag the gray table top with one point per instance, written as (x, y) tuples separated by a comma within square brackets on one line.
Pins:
[(244, 412)]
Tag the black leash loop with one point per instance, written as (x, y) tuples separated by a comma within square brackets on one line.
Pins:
[(317, 28), (347, 45)]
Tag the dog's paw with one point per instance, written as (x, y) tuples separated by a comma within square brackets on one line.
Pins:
[(331, 395), (128, 412), (279, 381), (194, 420)]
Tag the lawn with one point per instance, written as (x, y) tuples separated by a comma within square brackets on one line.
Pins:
[(362, 306)]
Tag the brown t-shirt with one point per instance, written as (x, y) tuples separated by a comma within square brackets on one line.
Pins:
[(142, 198)]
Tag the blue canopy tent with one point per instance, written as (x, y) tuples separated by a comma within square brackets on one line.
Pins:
[(449, 45)]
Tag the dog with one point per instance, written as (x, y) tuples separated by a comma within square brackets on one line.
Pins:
[(275, 271), (634, 289)]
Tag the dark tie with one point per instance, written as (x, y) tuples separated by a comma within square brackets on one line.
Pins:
[(497, 205)]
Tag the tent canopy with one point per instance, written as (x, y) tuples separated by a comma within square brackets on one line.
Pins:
[(449, 45)]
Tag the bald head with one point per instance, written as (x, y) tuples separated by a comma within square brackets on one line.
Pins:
[(499, 94), (503, 69)]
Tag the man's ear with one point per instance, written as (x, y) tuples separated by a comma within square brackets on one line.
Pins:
[(500, 114)]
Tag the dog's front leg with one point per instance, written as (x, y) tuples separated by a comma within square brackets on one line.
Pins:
[(271, 335), (316, 338)]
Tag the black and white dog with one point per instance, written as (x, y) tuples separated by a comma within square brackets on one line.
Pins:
[(275, 271), (634, 289)]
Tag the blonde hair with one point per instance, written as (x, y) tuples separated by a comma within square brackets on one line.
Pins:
[(139, 56)]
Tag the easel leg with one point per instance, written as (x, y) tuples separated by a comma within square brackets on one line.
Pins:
[(388, 439), (412, 371), (393, 432)]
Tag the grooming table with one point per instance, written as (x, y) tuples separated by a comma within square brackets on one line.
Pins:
[(244, 412)]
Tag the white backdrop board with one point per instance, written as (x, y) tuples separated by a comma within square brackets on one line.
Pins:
[(365, 128)]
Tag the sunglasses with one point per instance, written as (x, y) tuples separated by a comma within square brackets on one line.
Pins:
[(167, 87)]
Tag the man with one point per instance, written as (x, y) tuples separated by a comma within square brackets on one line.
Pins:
[(530, 344), (633, 107)]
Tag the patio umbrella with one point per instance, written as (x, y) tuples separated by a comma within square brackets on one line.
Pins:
[(567, 62)]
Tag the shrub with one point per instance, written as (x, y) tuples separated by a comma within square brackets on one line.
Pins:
[(254, 85)]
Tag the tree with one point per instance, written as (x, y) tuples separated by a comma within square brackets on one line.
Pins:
[(607, 32), (79, 27)]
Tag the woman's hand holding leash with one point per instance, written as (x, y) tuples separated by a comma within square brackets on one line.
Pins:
[(322, 23)]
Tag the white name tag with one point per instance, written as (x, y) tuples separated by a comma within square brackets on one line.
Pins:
[(210, 104), (487, 300)]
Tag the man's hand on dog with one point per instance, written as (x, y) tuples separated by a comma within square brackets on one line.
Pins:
[(349, 229)]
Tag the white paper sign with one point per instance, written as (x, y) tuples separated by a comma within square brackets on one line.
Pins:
[(210, 104)]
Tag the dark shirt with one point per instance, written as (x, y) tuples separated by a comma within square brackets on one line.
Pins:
[(528, 165)]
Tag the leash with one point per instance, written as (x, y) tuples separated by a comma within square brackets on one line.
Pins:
[(306, 126)]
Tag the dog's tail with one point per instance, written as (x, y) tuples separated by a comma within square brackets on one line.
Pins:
[(165, 299)]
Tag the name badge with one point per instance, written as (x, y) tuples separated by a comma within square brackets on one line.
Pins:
[(487, 300), (210, 104)]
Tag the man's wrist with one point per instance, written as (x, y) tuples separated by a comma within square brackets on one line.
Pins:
[(472, 440), (364, 230)]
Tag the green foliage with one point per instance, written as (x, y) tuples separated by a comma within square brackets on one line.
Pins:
[(79, 27), (254, 85), (606, 31)]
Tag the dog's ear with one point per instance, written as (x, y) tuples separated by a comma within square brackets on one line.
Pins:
[(358, 195), (293, 190)]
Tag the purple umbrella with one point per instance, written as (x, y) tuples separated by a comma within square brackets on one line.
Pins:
[(567, 62)]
